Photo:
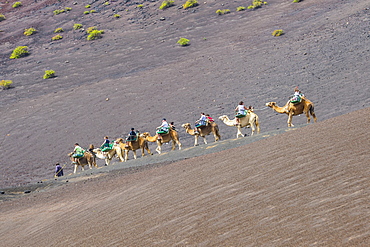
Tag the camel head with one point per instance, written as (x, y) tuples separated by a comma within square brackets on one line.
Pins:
[(70, 154), (144, 135), (119, 140), (224, 117), (271, 104), (186, 126)]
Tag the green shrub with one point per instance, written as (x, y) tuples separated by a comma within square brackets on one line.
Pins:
[(183, 42), (90, 29), (88, 6), (58, 30), (95, 34), (297, 1), (17, 4), (20, 51), (166, 4), (29, 31), (93, 11), (68, 9), (58, 11), (140, 6), (223, 11), (77, 26), (57, 37), (86, 12), (240, 8), (257, 4), (49, 74), (277, 32), (116, 16), (189, 4), (2, 17), (5, 84), (106, 3)]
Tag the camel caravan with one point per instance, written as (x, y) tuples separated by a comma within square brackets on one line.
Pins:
[(167, 133)]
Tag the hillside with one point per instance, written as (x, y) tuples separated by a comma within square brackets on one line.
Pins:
[(307, 187), (146, 76)]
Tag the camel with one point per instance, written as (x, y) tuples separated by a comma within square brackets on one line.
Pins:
[(87, 159), (171, 136), (305, 106), (140, 143), (250, 120), (108, 156), (203, 132)]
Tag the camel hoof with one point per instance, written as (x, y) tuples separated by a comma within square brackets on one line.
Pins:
[(245, 135)]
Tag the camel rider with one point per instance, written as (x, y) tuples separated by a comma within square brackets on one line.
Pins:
[(202, 121), (106, 145), (240, 111), (78, 152), (172, 125), (132, 136), (297, 97), (209, 118), (163, 128)]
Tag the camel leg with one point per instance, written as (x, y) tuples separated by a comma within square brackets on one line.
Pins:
[(239, 133), (135, 156), (196, 140), (204, 139), (308, 117), (75, 170), (159, 147), (126, 155), (173, 145), (216, 137), (290, 116)]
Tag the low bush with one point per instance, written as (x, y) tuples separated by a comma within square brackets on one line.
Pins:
[(29, 31), (257, 4), (106, 3), (183, 42), (77, 26), (166, 4), (57, 37), (2, 17), (93, 11), (116, 16), (240, 8), (58, 11), (88, 6), (86, 12), (5, 84), (49, 74), (17, 4), (277, 32), (58, 30), (68, 9), (223, 11), (20, 51), (190, 4), (95, 34), (140, 6), (297, 1)]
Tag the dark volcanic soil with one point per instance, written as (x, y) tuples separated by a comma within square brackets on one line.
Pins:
[(274, 192)]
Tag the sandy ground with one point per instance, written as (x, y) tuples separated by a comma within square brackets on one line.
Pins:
[(306, 187)]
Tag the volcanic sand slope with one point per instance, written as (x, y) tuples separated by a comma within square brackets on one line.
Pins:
[(146, 76), (306, 187)]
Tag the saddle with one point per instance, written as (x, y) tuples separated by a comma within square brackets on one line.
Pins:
[(296, 100), (163, 131), (107, 148)]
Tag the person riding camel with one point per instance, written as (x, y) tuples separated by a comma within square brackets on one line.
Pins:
[(209, 118), (202, 121), (163, 128), (131, 136), (78, 152), (297, 97), (240, 111)]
